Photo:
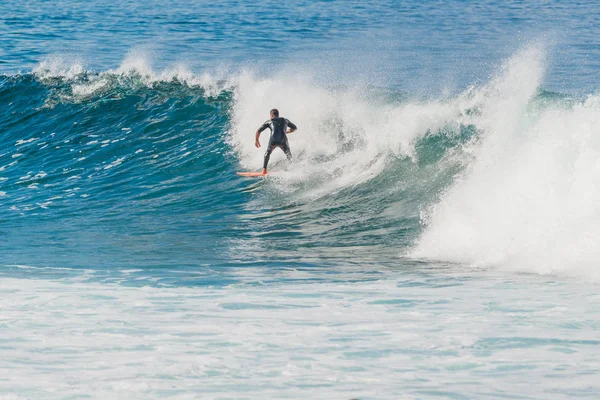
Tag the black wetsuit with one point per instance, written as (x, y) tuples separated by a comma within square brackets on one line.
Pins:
[(278, 127)]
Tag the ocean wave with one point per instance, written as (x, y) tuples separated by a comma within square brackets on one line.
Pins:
[(500, 174), (529, 199)]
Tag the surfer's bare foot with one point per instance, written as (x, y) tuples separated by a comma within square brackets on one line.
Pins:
[(264, 171)]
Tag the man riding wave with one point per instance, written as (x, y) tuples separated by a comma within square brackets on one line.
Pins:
[(280, 127)]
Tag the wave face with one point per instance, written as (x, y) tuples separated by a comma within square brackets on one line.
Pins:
[(135, 169)]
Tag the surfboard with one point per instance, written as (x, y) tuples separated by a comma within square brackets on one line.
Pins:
[(251, 173)]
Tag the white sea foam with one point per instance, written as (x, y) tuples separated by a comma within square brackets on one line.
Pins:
[(344, 134), (83, 90), (531, 199), (136, 64), (407, 337), (59, 66)]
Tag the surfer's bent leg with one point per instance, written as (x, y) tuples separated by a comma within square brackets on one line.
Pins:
[(286, 149), (270, 149)]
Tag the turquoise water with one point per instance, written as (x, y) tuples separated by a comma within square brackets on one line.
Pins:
[(435, 236)]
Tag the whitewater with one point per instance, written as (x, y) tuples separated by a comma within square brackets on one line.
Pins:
[(435, 235)]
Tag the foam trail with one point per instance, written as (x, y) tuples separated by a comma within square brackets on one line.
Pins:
[(531, 199)]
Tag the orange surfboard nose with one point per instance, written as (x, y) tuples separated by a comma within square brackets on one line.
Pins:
[(251, 173)]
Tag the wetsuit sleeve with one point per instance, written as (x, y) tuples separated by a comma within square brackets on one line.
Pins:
[(264, 126), (291, 124)]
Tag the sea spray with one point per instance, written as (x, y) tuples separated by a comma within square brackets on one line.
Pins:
[(529, 201)]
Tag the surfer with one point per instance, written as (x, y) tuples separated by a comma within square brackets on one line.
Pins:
[(279, 127)]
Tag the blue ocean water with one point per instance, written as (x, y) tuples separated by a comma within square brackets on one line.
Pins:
[(434, 237)]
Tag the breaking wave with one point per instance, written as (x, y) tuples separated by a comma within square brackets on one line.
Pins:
[(139, 164)]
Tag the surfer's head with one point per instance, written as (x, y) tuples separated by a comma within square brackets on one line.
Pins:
[(274, 113)]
